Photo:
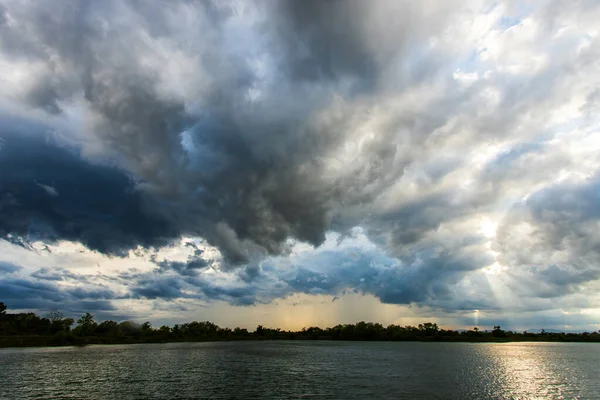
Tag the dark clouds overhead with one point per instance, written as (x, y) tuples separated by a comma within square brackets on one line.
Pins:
[(237, 145), (450, 132), (50, 193), (241, 175), (19, 293)]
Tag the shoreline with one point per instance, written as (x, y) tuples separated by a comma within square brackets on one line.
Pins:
[(36, 341)]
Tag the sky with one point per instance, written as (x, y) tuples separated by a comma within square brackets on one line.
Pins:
[(298, 163)]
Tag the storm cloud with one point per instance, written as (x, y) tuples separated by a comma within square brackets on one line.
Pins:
[(240, 143), (454, 144), (49, 193)]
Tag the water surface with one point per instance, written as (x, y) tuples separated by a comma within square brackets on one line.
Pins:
[(294, 369)]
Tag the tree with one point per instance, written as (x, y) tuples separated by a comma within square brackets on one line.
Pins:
[(2, 308), (58, 322), (107, 328), (67, 322), (164, 330), (147, 328), (497, 332), (55, 316), (240, 332), (130, 328), (86, 325), (429, 328)]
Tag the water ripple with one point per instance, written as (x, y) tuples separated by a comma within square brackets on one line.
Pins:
[(304, 370)]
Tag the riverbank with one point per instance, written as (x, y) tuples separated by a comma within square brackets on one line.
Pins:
[(48, 341), (29, 330)]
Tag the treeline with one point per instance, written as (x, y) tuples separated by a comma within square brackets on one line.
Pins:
[(28, 329)]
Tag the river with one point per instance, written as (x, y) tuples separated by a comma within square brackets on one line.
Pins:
[(298, 369)]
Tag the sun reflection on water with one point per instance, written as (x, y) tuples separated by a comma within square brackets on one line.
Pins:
[(532, 371)]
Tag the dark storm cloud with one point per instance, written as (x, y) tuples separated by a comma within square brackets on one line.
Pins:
[(260, 197), (258, 124), (190, 267), (158, 288), (96, 205), (246, 175), (19, 293), (325, 40), (429, 279), (149, 286), (19, 288)]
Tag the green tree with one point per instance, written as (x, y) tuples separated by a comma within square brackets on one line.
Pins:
[(429, 328), (164, 330), (130, 328), (2, 308), (86, 325), (109, 328), (147, 329), (67, 323), (58, 323)]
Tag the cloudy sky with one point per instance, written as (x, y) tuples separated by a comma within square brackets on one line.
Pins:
[(292, 163)]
